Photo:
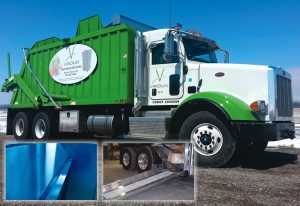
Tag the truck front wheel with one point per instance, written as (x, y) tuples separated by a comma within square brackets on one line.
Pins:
[(213, 143), (21, 126), (41, 127)]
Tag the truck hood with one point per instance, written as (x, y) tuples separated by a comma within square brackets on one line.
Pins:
[(244, 81), (223, 67)]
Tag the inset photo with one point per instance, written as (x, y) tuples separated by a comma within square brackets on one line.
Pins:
[(148, 171), (51, 171)]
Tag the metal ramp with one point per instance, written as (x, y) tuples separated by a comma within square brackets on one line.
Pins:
[(122, 189)]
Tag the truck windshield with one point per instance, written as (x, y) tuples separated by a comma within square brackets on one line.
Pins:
[(198, 51)]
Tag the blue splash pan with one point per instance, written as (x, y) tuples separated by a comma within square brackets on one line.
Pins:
[(51, 171)]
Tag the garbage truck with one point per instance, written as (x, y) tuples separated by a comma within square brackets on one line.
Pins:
[(131, 79)]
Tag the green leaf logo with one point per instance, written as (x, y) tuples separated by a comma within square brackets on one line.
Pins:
[(159, 76), (71, 53)]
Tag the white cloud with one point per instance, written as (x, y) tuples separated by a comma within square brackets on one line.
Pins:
[(295, 72)]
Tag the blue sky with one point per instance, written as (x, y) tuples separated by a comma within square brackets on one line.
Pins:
[(254, 31)]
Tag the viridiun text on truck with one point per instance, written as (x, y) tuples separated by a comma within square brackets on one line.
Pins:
[(130, 78)]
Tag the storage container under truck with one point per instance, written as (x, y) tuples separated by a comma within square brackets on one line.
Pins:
[(130, 78)]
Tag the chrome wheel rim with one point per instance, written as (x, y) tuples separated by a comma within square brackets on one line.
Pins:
[(19, 127), (143, 161), (207, 139), (126, 159), (40, 128)]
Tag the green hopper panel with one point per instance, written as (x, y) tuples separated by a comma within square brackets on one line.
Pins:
[(110, 83)]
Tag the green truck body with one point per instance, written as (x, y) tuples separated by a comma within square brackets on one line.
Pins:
[(110, 83)]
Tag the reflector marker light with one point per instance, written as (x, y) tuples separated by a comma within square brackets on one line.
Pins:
[(259, 106)]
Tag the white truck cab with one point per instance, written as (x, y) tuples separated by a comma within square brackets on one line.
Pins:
[(182, 91), (169, 83)]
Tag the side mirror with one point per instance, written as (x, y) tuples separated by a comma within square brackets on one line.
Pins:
[(169, 49)]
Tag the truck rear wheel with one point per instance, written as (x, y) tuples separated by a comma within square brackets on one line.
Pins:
[(144, 159), (21, 129), (213, 143), (128, 159), (41, 127)]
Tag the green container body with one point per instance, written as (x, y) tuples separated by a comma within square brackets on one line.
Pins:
[(112, 81)]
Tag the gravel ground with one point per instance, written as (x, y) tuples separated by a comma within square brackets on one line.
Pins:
[(273, 178)]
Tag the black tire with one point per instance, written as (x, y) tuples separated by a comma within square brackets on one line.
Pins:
[(131, 154), (144, 159), (21, 125), (224, 153), (42, 127)]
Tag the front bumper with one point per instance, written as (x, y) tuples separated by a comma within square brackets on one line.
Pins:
[(261, 131)]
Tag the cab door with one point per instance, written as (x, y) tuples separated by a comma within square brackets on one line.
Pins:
[(165, 78)]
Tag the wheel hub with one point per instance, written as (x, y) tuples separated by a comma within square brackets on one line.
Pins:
[(19, 127), (40, 128), (207, 139), (143, 161), (126, 159)]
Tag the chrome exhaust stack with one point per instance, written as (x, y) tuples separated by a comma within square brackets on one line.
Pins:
[(139, 65)]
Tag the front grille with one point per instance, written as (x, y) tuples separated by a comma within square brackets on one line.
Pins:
[(284, 97)]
